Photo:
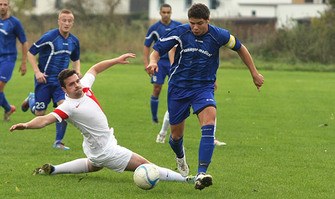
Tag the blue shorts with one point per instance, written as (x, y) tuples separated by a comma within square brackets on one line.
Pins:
[(6, 70), (163, 71), (45, 92), (180, 101)]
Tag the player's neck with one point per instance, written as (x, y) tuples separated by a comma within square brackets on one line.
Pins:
[(166, 22), (64, 34), (5, 16)]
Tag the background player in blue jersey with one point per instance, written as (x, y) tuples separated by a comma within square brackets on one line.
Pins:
[(55, 48), (155, 32), (10, 29), (192, 79)]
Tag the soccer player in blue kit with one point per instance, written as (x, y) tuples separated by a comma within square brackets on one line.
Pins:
[(155, 32), (55, 48), (10, 29), (192, 79)]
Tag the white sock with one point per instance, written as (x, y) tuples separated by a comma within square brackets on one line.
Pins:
[(166, 124), (74, 166), (169, 175)]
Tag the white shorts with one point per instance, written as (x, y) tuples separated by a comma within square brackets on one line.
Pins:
[(117, 160)]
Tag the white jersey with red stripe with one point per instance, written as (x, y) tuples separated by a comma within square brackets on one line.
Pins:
[(87, 115)]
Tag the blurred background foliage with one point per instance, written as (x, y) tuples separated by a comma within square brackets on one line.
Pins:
[(108, 34)]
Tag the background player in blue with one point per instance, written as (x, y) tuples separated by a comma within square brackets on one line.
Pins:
[(155, 32), (192, 79), (10, 29), (55, 48)]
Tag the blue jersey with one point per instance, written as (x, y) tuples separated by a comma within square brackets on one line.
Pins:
[(55, 53), (10, 29), (197, 57), (158, 30)]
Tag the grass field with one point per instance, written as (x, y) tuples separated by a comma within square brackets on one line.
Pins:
[(281, 141)]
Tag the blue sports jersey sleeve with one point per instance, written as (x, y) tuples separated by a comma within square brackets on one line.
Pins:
[(19, 31), (157, 31), (10, 29)]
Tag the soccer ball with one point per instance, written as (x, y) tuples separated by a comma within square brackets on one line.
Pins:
[(146, 176)]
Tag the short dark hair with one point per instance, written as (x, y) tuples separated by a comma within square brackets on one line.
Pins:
[(64, 74), (165, 5), (198, 11)]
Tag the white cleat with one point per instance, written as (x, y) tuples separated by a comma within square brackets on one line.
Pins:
[(182, 166), (219, 143), (160, 138)]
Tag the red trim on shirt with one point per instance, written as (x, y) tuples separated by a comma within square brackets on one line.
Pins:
[(89, 93), (61, 114)]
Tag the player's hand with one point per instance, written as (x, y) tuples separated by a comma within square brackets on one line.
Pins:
[(151, 69), (23, 69), (258, 80), (123, 58), (41, 77), (20, 126)]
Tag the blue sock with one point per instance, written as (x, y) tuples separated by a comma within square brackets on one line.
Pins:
[(31, 101), (206, 147), (154, 107), (177, 146), (3, 102), (60, 130)]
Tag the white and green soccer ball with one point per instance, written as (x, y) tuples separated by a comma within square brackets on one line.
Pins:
[(146, 176)]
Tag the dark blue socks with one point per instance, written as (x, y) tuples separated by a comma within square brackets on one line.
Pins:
[(206, 147), (154, 108)]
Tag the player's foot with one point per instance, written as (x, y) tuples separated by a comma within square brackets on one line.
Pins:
[(219, 143), (203, 180), (190, 179), (61, 146), (182, 166), (6, 116), (46, 169), (160, 138), (25, 103), (155, 120)]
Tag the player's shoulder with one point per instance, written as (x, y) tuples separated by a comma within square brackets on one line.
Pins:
[(14, 20), (51, 33), (176, 22), (218, 31), (73, 37)]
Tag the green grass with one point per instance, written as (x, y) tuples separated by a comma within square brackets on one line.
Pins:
[(278, 143)]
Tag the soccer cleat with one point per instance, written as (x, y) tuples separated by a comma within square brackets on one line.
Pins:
[(155, 120), (7, 114), (182, 166), (190, 179), (160, 138), (219, 143), (61, 146), (46, 169), (25, 103), (203, 180)]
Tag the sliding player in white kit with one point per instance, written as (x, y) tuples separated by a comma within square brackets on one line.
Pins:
[(82, 109)]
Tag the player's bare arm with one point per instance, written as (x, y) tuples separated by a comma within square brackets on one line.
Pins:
[(23, 67), (247, 59), (36, 123), (76, 67), (103, 65), (152, 66), (40, 77)]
